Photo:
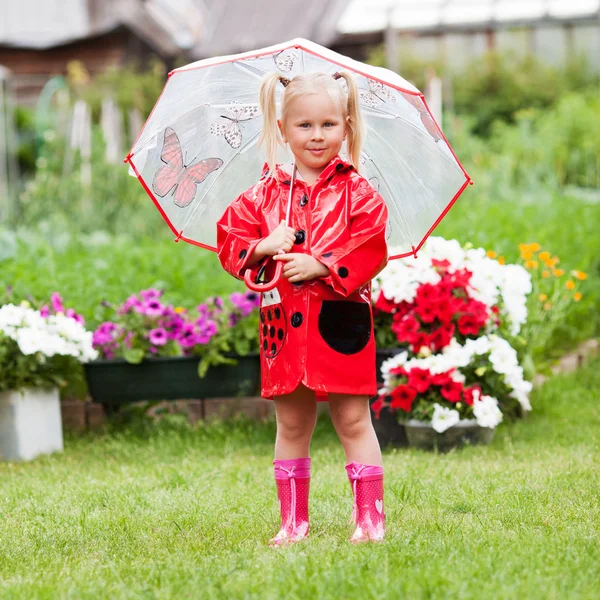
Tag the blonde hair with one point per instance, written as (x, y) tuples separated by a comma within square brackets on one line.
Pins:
[(309, 83)]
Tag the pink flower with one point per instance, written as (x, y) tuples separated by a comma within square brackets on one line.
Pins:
[(152, 308), (158, 336), (151, 294), (45, 311), (56, 303)]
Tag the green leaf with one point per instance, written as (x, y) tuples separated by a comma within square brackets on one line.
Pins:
[(133, 356)]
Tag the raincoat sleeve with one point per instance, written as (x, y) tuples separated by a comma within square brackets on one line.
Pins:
[(238, 233), (364, 255)]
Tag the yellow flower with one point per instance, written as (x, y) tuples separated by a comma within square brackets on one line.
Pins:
[(556, 259), (543, 297), (535, 247), (545, 274), (559, 272), (179, 310), (579, 275), (523, 247), (570, 284), (531, 264), (577, 296), (551, 262), (501, 260), (547, 305), (526, 254), (491, 254), (544, 255)]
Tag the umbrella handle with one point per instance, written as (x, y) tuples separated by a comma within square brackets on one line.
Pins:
[(267, 285)]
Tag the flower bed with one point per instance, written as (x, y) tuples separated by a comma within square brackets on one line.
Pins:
[(448, 312)]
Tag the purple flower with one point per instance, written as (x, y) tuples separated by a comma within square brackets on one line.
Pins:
[(241, 303), (45, 311), (104, 334), (233, 319), (73, 315), (151, 294), (187, 336), (158, 336), (253, 298), (152, 308), (205, 331), (56, 302), (131, 302)]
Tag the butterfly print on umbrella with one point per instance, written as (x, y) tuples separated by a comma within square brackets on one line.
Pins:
[(285, 60), (174, 174), (428, 122), (234, 115), (376, 94)]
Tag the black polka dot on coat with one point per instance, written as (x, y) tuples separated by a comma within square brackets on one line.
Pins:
[(243, 253), (343, 272)]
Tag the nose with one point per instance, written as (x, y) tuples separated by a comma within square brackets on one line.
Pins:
[(317, 133)]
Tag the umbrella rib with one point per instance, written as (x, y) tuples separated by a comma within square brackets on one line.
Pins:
[(216, 178)]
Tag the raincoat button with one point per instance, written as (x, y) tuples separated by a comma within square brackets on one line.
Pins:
[(343, 272), (297, 319), (304, 200), (243, 253), (300, 236), (339, 167)]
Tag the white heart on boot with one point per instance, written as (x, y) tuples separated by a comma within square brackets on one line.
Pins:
[(379, 506)]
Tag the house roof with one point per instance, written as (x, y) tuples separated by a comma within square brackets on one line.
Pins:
[(170, 26), (365, 16), (234, 26)]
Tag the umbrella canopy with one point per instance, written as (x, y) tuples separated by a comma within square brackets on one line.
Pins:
[(198, 149)]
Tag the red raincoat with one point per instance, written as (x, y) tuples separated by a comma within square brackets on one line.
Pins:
[(317, 332)]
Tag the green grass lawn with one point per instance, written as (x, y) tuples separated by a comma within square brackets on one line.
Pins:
[(168, 511)]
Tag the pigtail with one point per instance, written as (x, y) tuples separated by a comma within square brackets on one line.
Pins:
[(269, 135), (355, 135)]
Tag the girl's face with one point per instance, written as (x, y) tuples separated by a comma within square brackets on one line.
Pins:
[(315, 128)]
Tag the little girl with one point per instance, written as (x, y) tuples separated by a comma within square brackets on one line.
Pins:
[(316, 329)]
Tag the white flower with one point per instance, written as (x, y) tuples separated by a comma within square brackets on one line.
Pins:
[(486, 412), (444, 418)]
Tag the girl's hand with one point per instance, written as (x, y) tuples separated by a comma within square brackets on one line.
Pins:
[(281, 239), (301, 267)]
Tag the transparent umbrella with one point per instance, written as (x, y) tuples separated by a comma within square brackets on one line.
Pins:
[(198, 149)]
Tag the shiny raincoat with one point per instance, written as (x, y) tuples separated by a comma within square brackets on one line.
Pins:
[(317, 332)]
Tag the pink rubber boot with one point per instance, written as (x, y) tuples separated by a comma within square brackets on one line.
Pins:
[(293, 483), (367, 513)]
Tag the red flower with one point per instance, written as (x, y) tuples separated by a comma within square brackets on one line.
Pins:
[(418, 340), (427, 293), (468, 324), (495, 310), (404, 327), (400, 370), (402, 397), (469, 394), (385, 305), (441, 378), (419, 379), (445, 310), (441, 337), (452, 391), (377, 407), (427, 311), (440, 265), (461, 277)]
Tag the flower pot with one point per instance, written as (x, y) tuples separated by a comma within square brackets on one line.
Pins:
[(423, 436), (389, 432), (116, 382), (30, 423)]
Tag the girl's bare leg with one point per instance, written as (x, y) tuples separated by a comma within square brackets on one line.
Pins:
[(351, 418), (296, 418)]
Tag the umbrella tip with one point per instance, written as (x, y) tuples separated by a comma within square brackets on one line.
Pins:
[(470, 182), (128, 158)]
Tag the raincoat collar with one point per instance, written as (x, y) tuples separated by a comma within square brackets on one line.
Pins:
[(337, 164)]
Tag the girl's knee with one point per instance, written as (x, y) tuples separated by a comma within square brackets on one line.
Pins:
[(352, 419)]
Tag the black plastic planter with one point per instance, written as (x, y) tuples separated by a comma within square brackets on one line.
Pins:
[(116, 382)]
